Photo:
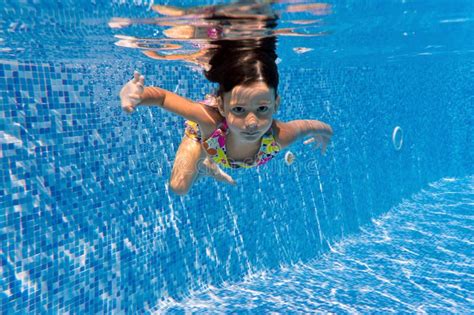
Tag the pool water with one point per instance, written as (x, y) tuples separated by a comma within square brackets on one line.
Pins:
[(415, 258), (383, 223)]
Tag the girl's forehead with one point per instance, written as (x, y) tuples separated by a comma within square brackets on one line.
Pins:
[(258, 90)]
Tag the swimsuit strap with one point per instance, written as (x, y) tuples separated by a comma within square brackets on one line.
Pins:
[(224, 126)]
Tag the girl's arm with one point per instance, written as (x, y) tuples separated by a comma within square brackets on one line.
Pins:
[(289, 132), (134, 94), (181, 106)]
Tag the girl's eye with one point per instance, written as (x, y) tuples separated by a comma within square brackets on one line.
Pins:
[(238, 110), (263, 109)]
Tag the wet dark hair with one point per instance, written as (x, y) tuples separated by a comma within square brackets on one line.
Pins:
[(243, 62)]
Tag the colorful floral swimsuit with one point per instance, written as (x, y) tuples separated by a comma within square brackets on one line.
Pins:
[(215, 146)]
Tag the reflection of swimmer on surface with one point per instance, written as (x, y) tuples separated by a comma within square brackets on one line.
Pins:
[(242, 9), (235, 128), (241, 31), (199, 26), (256, 9)]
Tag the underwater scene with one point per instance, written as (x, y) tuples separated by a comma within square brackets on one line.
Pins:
[(237, 157)]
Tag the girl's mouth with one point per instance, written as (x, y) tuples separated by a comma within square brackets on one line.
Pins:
[(250, 133)]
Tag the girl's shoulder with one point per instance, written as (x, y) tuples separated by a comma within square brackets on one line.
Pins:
[(276, 127), (210, 103), (207, 129), (279, 133)]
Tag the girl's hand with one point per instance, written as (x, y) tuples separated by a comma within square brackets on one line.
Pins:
[(321, 139), (131, 93)]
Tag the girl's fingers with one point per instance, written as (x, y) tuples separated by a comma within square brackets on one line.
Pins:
[(141, 81), (127, 106), (309, 141), (323, 149), (134, 96), (136, 76), (320, 141)]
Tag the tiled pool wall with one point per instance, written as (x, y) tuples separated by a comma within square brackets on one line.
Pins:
[(88, 222)]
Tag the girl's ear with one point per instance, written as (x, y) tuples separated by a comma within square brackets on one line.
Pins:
[(220, 105), (277, 103)]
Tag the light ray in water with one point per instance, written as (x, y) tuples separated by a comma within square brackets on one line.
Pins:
[(412, 270)]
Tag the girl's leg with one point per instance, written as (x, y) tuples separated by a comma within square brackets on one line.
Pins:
[(186, 165), (212, 169), (190, 162)]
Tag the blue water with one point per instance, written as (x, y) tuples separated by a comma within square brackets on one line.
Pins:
[(416, 258), (89, 224)]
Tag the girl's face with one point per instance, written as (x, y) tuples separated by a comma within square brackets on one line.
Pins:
[(249, 110)]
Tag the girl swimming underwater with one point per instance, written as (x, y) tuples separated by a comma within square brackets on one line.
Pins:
[(239, 130)]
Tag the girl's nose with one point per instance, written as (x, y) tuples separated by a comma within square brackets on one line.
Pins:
[(251, 122)]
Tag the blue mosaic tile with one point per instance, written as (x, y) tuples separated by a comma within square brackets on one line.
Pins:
[(88, 222)]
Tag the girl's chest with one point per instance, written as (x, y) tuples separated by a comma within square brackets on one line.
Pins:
[(221, 146), (239, 152)]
